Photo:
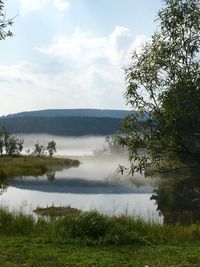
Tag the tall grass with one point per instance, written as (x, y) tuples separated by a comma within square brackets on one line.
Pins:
[(95, 228), (12, 167), (18, 223)]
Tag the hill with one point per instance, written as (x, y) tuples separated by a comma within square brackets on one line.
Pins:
[(65, 122), (73, 113), (63, 126)]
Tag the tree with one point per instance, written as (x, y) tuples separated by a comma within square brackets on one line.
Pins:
[(4, 22), (163, 89), (6, 138), (9, 144), (15, 146), (51, 148), (1, 142), (39, 150)]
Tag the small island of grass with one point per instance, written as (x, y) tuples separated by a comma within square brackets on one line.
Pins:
[(56, 211), (12, 167), (40, 161)]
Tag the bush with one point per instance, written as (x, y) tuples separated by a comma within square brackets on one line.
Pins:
[(88, 225), (94, 228), (16, 223)]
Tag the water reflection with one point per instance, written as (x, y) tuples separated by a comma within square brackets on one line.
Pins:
[(77, 185), (3, 188), (93, 185), (178, 200), (3, 185), (51, 176)]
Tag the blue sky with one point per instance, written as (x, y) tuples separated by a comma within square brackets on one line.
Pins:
[(70, 53)]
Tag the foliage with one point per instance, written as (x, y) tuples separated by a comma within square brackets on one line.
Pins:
[(4, 22), (51, 147), (28, 241), (39, 150), (164, 90), (9, 144), (111, 147), (178, 199), (12, 146), (88, 225), (93, 228)]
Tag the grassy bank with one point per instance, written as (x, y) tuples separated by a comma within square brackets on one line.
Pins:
[(11, 167), (20, 251), (91, 239), (93, 228)]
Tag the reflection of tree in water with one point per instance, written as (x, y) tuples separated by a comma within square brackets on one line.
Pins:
[(3, 186), (178, 200), (51, 176)]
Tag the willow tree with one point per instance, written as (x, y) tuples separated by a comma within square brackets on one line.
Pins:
[(163, 89), (4, 22)]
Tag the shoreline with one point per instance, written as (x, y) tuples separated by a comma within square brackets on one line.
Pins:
[(13, 167)]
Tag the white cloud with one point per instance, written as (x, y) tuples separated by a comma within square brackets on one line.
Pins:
[(85, 48), (61, 5), (85, 72), (33, 5)]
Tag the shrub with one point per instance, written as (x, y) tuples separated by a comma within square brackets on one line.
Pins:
[(88, 225)]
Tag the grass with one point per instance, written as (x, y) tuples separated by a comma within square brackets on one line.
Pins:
[(56, 211), (12, 167), (18, 252), (93, 228), (92, 239)]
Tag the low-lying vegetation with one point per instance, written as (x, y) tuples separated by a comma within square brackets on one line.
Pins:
[(92, 239), (56, 211), (10, 146), (94, 228), (12, 167)]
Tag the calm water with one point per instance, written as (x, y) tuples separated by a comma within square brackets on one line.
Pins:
[(93, 185)]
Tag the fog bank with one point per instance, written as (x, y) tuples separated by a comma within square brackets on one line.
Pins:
[(66, 146)]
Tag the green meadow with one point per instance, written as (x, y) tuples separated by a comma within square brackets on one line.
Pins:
[(92, 239)]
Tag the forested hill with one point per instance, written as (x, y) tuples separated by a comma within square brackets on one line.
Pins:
[(72, 113), (63, 126), (65, 122)]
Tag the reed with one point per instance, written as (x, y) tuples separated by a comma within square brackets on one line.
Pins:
[(94, 228)]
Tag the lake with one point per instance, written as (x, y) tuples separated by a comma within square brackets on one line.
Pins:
[(95, 184)]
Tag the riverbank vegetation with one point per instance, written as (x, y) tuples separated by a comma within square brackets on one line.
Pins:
[(93, 228), (92, 239), (163, 91), (53, 212), (10, 145), (12, 167), (14, 164)]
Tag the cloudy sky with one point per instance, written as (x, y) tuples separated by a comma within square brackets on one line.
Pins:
[(70, 53)]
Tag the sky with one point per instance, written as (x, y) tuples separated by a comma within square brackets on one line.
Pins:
[(71, 53)]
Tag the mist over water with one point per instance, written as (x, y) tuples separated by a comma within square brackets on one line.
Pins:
[(95, 184), (94, 166), (66, 146)]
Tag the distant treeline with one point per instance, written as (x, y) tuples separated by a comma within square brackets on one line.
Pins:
[(104, 113), (64, 126)]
